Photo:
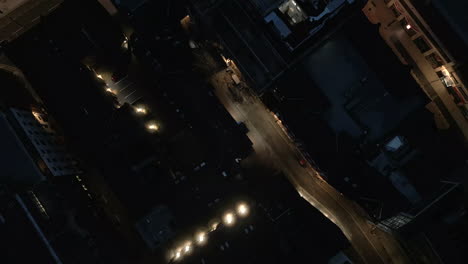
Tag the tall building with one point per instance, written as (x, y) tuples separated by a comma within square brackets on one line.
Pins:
[(431, 37), (22, 233), (32, 150), (267, 37)]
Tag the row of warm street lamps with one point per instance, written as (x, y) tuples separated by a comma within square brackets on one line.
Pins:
[(151, 125), (200, 238)]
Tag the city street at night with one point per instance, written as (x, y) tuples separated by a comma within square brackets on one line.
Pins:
[(272, 143), (233, 131)]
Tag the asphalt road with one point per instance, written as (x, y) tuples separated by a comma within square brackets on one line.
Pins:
[(270, 140), (126, 90)]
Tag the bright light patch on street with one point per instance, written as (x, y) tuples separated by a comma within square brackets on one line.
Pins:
[(177, 255), (214, 226), (109, 90), (38, 117), (242, 209), (140, 110), (187, 247), (99, 76), (152, 127), (226, 60), (201, 238), (229, 219)]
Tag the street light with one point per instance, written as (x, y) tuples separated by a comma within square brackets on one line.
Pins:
[(201, 238), (229, 218), (177, 255), (187, 247), (242, 209), (37, 116), (99, 76), (140, 110), (109, 90), (152, 127), (213, 225), (408, 27)]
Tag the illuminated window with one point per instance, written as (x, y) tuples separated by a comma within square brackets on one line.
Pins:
[(39, 205), (409, 28)]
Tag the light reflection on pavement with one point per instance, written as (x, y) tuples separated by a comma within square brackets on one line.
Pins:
[(125, 90), (269, 138)]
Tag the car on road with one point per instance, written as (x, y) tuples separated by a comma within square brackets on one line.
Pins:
[(302, 162)]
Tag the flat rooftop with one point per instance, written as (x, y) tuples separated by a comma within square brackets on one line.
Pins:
[(18, 16), (7, 6), (16, 163)]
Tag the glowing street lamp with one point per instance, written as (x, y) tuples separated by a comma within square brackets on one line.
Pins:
[(99, 76), (213, 225), (140, 110), (242, 209), (201, 238), (408, 27), (177, 255), (187, 247), (109, 90), (152, 127), (229, 219)]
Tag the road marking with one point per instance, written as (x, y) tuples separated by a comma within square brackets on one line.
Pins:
[(130, 94), (52, 8), (138, 98), (16, 32), (125, 86), (124, 78)]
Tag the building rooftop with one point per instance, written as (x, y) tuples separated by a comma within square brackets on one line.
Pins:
[(18, 16), (8, 6), (155, 227), (373, 95), (18, 166), (20, 231)]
